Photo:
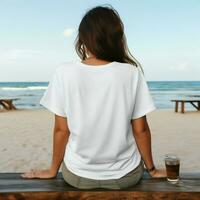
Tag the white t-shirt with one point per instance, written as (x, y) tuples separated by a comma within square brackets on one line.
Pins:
[(99, 103)]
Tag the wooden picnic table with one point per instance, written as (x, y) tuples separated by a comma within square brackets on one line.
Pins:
[(8, 104), (183, 102), (12, 186)]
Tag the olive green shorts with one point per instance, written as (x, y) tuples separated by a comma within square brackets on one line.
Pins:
[(128, 180)]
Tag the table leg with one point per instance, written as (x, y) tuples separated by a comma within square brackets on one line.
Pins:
[(8, 105), (11, 106), (176, 106), (5, 105), (182, 107)]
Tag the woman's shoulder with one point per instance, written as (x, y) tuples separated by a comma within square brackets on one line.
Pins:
[(136, 73), (129, 66), (67, 65), (134, 70)]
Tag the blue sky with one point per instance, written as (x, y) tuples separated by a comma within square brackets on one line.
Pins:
[(36, 36)]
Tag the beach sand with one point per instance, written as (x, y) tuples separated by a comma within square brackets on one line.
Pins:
[(26, 139)]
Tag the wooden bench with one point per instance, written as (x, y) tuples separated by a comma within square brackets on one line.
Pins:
[(12, 186), (8, 104), (183, 102)]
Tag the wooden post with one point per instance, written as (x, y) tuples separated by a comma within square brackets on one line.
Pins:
[(176, 106), (8, 104), (182, 106), (198, 105)]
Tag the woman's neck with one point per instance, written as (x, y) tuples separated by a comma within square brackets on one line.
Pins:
[(94, 61)]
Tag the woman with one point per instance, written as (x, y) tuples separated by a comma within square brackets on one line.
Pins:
[(101, 134)]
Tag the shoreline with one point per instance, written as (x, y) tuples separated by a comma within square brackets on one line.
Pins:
[(26, 138)]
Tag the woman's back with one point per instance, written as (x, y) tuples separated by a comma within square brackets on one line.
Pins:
[(98, 107), (99, 103)]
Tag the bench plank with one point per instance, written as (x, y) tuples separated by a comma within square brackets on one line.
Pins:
[(12, 186)]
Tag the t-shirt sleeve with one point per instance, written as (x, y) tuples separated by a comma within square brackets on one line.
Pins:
[(53, 97), (143, 100)]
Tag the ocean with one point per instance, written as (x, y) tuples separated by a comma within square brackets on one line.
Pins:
[(30, 93)]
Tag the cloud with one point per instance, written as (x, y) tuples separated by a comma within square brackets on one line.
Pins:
[(68, 32), (184, 66), (19, 55)]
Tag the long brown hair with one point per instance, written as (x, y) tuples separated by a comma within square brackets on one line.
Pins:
[(101, 31)]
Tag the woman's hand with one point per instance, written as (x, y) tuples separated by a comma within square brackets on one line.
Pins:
[(158, 173), (42, 174)]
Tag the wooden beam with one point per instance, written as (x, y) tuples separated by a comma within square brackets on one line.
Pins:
[(12, 186), (194, 105), (105, 195)]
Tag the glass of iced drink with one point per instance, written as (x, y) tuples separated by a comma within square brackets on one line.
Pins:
[(172, 163)]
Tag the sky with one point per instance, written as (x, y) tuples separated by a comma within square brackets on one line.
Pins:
[(36, 36)]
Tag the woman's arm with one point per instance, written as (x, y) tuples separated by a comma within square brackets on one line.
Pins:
[(60, 139), (142, 136)]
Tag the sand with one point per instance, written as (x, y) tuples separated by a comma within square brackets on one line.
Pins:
[(26, 139)]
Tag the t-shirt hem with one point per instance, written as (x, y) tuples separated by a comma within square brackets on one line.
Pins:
[(150, 109), (52, 109), (95, 177)]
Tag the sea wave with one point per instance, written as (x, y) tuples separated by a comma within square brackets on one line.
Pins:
[(25, 88), (175, 92)]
